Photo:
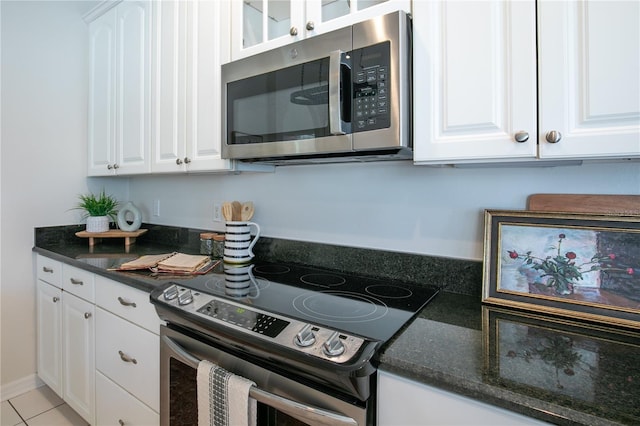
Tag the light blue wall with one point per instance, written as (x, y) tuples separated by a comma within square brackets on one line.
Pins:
[(392, 206)]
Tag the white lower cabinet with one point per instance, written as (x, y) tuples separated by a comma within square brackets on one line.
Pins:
[(406, 402), (66, 335), (127, 355), (116, 406), (78, 354), (100, 352), (49, 307)]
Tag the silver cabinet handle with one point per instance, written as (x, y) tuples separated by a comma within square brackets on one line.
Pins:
[(293, 31), (109, 167), (55, 299), (126, 303), (187, 160), (76, 281), (127, 358), (115, 165), (46, 269), (553, 136), (178, 161), (521, 136), (303, 412), (310, 26), (87, 315)]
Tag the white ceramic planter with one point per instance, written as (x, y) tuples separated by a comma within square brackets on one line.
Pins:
[(97, 224)]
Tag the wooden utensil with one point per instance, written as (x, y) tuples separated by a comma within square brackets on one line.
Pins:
[(237, 210), (227, 211), (247, 211)]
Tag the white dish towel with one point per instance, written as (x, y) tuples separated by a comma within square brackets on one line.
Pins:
[(223, 397)]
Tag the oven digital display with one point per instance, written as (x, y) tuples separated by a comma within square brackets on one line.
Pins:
[(245, 318)]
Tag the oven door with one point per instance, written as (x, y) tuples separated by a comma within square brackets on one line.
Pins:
[(281, 401)]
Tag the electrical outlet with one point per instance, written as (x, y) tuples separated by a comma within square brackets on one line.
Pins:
[(156, 208), (217, 211)]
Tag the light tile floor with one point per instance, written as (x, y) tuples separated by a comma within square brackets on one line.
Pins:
[(39, 407)]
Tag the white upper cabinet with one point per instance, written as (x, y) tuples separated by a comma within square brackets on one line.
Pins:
[(186, 108), (589, 76), (259, 25), (475, 79), (119, 90), (477, 97)]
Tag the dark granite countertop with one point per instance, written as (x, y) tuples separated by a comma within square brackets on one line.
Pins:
[(554, 370)]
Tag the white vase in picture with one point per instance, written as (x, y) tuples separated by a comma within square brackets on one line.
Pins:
[(97, 224)]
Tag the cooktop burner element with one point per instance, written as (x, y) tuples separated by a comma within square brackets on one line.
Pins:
[(323, 280), (326, 314)]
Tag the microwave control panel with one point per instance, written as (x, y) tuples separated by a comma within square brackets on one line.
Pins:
[(371, 90)]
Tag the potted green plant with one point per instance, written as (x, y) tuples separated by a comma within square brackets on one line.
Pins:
[(99, 210)]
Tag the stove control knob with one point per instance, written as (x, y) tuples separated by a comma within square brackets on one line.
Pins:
[(333, 346), (305, 337), (185, 297), (171, 292)]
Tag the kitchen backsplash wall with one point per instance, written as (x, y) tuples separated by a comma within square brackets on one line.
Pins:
[(389, 206)]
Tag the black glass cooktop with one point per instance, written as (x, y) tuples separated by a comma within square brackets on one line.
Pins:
[(368, 307)]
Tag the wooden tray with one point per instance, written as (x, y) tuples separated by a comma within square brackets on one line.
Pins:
[(95, 237), (622, 205)]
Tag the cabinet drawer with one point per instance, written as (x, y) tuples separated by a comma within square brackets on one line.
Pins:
[(115, 406), (127, 302), (78, 282), (49, 270), (130, 356)]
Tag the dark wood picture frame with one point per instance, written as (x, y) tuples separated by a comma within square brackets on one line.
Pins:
[(575, 265)]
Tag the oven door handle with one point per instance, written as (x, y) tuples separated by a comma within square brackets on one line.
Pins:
[(295, 409)]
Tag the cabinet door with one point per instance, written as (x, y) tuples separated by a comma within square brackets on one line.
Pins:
[(405, 402), (589, 63), (259, 25), (102, 91), (324, 16), (79, 355), (116, 407), (203, 150), (49, 306), (474, 81), (169, 86), (133, 77), (186, 117)]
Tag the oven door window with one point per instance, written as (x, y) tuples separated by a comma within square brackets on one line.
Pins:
[(183, 405), (284, 105)]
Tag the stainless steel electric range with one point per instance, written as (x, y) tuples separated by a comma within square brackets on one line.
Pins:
[(307, 337)]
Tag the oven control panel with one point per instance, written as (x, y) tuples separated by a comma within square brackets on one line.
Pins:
[(312, 339)]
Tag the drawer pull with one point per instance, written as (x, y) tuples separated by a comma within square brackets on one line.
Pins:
[(55, 299), (127, 358), (87, 315), (120, 422), (125, 303), (75, 281), (47, 269)]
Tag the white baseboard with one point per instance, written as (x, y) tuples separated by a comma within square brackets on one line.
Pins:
[(18, 387)]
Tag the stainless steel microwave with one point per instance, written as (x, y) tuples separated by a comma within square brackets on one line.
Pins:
[(340, 96)]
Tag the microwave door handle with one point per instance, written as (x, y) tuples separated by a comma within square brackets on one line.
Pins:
[(300, 411), (335, 119)]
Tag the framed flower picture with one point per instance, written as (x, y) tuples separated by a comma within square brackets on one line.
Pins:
[(574, 265)]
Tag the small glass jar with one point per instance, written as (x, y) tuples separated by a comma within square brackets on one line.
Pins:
[(206, 243), (218, 246)]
